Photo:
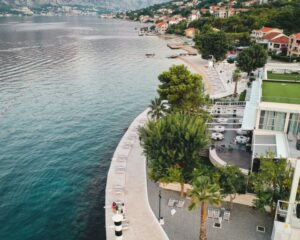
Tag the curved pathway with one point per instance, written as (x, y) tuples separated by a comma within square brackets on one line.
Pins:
[(127, 183)]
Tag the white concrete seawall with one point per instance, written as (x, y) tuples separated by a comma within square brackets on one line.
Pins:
[(127, 183)]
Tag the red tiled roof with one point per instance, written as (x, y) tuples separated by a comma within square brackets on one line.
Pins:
[(282, 39), (271, 35), (296, 35), (264, 29), (159, 25)]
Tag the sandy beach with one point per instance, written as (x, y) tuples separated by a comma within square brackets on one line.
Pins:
[(193, 62)]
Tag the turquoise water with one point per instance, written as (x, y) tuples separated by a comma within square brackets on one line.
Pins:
[(68, 89)]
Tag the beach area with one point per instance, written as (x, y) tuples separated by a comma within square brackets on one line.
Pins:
[(216, 76)]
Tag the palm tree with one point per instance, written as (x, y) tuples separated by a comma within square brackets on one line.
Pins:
[(157, 109), (236, 77), (204, 191)]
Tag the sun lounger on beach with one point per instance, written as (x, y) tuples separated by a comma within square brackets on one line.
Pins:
[(180, 203), (216, 213), (171, 202), (226, 215)]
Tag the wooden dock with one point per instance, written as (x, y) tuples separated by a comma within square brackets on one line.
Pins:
[(189, 49)]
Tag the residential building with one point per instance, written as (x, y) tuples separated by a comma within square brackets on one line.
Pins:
[(194, 16), (270, 119), (276, 41), (249, 3), (257, 35), (273, 114), (190, 32), (294, 45), (161, 27), (173, 21), (262, 1)]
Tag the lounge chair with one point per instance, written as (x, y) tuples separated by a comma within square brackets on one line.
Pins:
[(171, 202), (180, 204), (226, 216), (210, 213), (216, 213)]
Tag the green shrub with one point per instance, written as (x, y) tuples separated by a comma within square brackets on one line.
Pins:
[(285, 58), (242, 95)]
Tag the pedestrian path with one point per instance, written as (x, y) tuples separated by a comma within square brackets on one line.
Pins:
[(127, 183), (217, 79)]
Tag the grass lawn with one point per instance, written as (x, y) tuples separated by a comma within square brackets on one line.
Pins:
[(281, 92), (283, 76)]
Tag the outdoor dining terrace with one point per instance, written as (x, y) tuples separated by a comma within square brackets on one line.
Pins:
[(229, 144)]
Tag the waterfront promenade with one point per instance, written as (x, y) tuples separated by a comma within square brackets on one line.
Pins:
[(218, 79), (127, 183)]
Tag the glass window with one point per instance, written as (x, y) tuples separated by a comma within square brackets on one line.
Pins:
[(294, 123), (270, 120)]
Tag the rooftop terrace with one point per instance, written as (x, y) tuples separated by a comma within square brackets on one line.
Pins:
[(281, 92)]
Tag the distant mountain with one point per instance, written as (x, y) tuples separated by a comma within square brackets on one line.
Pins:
[(105, 4)]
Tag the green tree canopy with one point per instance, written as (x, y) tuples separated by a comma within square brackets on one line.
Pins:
[(272, 182), (212, 43), (157, 109), (252, 58), (175, 141), (204, 191), (182, 89), (232, 181)]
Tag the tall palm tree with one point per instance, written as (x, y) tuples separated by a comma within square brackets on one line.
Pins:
[(157, 109), (204, 191), (236, 77)]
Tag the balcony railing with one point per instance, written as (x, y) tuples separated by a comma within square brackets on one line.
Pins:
[(282, 213)]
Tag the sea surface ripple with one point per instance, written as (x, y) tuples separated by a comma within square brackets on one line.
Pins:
[(69, 86)]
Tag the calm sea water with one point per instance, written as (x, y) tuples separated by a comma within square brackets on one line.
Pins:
[(68, 89)]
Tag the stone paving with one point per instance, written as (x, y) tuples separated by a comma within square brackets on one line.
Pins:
[(238, 156), (127, 183), (185, 224), (217, 79)]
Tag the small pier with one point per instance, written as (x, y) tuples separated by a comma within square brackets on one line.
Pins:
[(189, 49)]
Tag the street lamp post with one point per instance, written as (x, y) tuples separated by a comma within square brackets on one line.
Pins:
[(160, 218)]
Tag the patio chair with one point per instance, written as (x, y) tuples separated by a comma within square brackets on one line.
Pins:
[(216, 213), (210, 213), (171, 202), (226, 216), (180, 204)]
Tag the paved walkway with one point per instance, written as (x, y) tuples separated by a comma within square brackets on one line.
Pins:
[(127, 183), (185, 224), (218, 79)]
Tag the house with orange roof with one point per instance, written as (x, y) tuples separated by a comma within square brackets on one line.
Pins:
[(294, 45), (161, 27), (190, 32), (257, 35), (278, 43)]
